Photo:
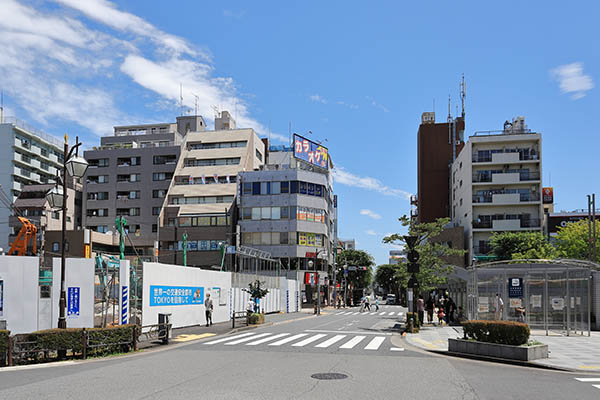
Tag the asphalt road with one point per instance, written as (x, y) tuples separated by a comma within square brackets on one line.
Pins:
[(277, 362)]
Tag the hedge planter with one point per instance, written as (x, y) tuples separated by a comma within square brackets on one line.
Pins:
[(509, 352), (256, 319)]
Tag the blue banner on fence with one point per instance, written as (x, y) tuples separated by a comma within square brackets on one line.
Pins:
[(176, 295), (73, 302)]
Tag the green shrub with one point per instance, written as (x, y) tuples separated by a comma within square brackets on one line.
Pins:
[(500, 332), (3, 345), (58, 339), (256, 318), (111, 340)]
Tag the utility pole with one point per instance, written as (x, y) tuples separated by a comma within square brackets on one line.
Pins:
[(185, 249)]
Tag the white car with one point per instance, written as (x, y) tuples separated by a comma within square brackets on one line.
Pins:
[(390, 299)]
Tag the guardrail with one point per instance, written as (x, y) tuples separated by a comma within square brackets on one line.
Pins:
[(241, 316)]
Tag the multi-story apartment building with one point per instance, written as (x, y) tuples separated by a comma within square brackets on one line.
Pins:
[(349, 244), (27, 156), (496, 181), (200, 197), (129, 175), (397, 257)]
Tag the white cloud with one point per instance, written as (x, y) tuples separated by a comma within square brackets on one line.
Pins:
[(349, 105), (572, 80), (371, 232), (344, 177), (378, 105), (58, 66), (318, 99), (370, 214)]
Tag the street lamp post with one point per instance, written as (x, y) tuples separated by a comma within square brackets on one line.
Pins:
[(74, 166), (310, 264)]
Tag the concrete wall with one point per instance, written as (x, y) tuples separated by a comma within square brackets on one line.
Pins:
[(19, 299), (79, 273), (160, 276)]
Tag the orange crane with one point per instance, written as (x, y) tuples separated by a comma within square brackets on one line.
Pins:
[(28, 230)]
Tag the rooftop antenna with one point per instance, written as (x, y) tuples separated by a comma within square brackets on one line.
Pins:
[(463, 94), (216, 110), (449, 109), (195, 104), (181, 99), (1, 107)]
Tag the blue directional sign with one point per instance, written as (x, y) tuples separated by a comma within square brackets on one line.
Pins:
[(73, 302)]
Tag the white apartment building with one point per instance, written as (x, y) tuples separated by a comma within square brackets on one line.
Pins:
[(496, 185), (27, 156)]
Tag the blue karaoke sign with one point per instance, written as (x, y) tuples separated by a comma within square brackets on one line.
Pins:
[(176, 295)]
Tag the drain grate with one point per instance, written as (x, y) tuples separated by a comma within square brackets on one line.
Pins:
[(328, 376)]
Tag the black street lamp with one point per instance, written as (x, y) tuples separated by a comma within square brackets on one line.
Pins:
[(74, 166), (310, 265)]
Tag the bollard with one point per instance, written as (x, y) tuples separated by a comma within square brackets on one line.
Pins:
[(134, 339), (10, 351), (84, 344)]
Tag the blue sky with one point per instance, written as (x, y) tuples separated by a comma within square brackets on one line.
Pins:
[(358, 74)]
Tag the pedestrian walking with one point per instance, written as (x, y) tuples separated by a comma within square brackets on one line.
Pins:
[(429, 306), (367, 303), (498, 307), (421, 309), (208, 305), (376, 304)]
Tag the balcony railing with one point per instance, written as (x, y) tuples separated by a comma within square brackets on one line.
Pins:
[(485, 249), (488, 157), (489, 224), (523, 176), (488, 198)]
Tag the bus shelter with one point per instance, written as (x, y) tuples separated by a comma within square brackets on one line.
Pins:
[(550, 295)]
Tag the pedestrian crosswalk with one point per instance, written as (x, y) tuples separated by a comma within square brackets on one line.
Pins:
[(342, 340), (594, 381), (382, 313)]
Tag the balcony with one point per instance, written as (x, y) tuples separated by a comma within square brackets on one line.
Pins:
[(504, 178), (500, 197), (505, 157), (414, 201), (506, 224), (482, 249)]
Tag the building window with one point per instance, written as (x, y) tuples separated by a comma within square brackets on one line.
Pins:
[(285, 187), (134, 211), (55, 247), (55, 215), (247, 188), (265, 188), (155, 210), (212, 162), (162, 176), (159, 193), (259, 155), (154, 228), (168, 159)]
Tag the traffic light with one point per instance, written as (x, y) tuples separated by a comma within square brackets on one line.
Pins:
[(412, 255)]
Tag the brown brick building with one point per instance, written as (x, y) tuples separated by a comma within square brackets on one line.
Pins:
[(435, 149)]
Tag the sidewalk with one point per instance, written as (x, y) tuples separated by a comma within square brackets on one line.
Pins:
[(181, 335), (575, 352)]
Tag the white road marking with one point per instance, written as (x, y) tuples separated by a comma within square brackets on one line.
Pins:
[(596, 386), (348, 332), (309, 340), (356, 313), (289, 339), (247, 339), (230, 338), (397, 349), (382, 313), (352, 342), (373, 313), (375, 343), (349, 313), (392, 313), (331, 341), (267, 339), (588, 379)]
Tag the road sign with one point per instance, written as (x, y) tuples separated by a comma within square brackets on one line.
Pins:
[(412, 282), (310, 278), (352, 268)]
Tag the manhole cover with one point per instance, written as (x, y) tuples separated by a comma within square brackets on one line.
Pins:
[(329, 376)]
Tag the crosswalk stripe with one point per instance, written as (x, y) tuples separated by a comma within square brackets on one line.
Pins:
[(288, 339), (588, 379), (247, 339), (382, 313), (330, 341), (349, 313), (375, 343), (596, 386), (308, 340), (356, 313), (373, 313), (229, 338), (267, 339), (397, 349), (392, 313), (352, 342)]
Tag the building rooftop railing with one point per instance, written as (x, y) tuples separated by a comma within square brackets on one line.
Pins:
[(503, 132), (26, 127)]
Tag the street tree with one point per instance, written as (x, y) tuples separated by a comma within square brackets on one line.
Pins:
[(572, 241), (361, 277), (256, 293), (392, 277), (433, 255), (521, 245)]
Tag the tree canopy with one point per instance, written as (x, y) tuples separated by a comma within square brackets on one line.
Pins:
[(434, 268), (359, 258), (572, 241), (521, 245)]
